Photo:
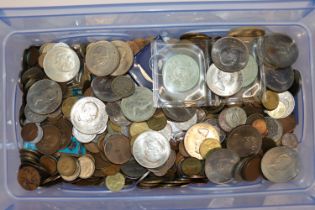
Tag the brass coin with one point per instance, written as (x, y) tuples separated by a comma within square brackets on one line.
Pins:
[(117, 149), (49, 163), (158, 121), (50, 142), (270, 100), (207, 145), (261, 126), (115, 183), (29, 132), (67, 105), (191, 166), (66, 165), (29, 178), (137, 128), (123, 86), (246, 31)]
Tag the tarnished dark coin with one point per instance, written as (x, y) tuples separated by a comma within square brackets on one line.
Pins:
[(113, 109), (267, 144), (50, 142), (32, 55), (275, 129), (179, 114), (158, 121), (32, 73), (279, 50), (29, 178), (29, 132), (102, 89), (191, 166), (117, 149), (65, 128), (279, 80), (123, 86), (244, 140), (49, 162), (229, 54), (132, 169), (251, 169), (288, 123), (297, 83)]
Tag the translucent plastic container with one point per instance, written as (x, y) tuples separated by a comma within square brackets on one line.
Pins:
[(22, 27)]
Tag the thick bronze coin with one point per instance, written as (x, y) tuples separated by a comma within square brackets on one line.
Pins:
[(251, 169), (29, 178), (29, 132), (50, 142), (117, 149), (49, 163)]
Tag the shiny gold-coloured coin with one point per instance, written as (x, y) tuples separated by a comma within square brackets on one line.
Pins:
[(67, 105), (247, 31), (138, 127), (208, 145), (115, 183), (270, 100), (191, 166), (158, 121)]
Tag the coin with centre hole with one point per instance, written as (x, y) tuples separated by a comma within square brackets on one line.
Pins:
[(117, 149), (270, 100), (285, 107), (126, 57), (123, 86), (179, 114), (279, 80)]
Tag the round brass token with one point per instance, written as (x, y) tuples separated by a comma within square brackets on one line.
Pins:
[(137, 128), (115, 183), (29, 132), (50, 142), (207, 145), (66, 165), (191, 166), (49, 163), (29, 178), (158, 121), (270, 100), (67, 105)]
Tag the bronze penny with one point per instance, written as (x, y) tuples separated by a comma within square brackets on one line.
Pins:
[(49, 163), (67, 165), (261, 126), (270, 100), (117, 149), (182, 149), (288, 124), (65, 128), (254, 117), (29, 178), (158, 121), (191, 166), (251, 169), (50, 142), (92, 147), (29, 132)]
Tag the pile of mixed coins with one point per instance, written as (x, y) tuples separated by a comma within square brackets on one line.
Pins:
[(85, 121)]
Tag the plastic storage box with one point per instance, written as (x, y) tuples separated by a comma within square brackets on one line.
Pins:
[(22, 27)]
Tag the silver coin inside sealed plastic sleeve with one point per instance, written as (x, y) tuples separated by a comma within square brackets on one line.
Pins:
[(139, 106), (249, 73), (44, 96), (151, 149), (88, 115), (285, 106), (223, 83), (61, 64), (280, 164)]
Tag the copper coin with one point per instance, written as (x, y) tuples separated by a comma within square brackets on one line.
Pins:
[(92, 147), (88, 92), (29, 132), (261, 126), (66, 165), (251, 169), (182, 149), (50, 142), (288, 124), (49, 163), (134, 47), (244, 140), (267, 144), (270, 100), (65, 128), (158, 121), (29, 178), (253, 108), (191, 166), (254, 117), (110, 169), (117, 149)]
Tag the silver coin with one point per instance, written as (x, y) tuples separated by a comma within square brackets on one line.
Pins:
[(126, 58), (88, 115), (223, 83), (61, 64), (250, 72), (290, 140), (151, 149), (275, 129), (102, 58), (285, 107), (81, 137), (44, 96), (102, 89), (229, 54), (139, 106), (220, 164), (32, 116), (179, 114), (280, 164), (120, 120), (184, 126), (180, 73), (235, 116), (167, 131)]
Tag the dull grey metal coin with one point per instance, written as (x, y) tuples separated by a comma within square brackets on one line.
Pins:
[(139, 106), (184, 126), (285, 107), (151, 149), (290, 140), (229, 54), (132, 169), (279, 50), (223, 83), (102, 89), (280, 164), (120, 119), (279, 80), (61, 64), (220, 164), (44, 96), (32, 116), (113, 109), (179, 114), (126, 57), (275, 129), (250, 72), (235, 116), (123, 86), (102, 58)]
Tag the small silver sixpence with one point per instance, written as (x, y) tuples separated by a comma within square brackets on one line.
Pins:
[(285, 106), (223, 83), (249, 73), (88, 115), (151, 149), (61, 64)]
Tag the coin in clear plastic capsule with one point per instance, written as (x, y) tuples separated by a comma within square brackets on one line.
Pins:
[(229, 54), (179, 114), (250, 72), (223, 83), (285, 106), (88, 115), (151, 149), (61, 64), (279, 50), (280, 164), (279, 80)]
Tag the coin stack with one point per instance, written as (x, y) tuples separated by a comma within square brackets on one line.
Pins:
[(85, 121)]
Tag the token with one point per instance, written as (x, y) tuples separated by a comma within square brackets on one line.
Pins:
[(158, 121), (279, 80), (123, 86), (275, 129), (179, 114), (270, 100), (290, 140), (229, 54), (50, 143), (285, 107), (115, 183), (208, 145), (250, 72), (102, 89), (29, 178), (87, 166), (126, 58), (117, 149)]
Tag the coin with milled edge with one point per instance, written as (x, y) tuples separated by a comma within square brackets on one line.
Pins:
[(88, 115), (179, 114), (61, 64), (270, 100), (115, 183), (102, 58), (290, 140), (126, 57), (220, 164), (285, 106), (123, 86), (223, 83), (117, 149), (244, 140), (102, 89), (44, 96), (279, 50), (275, 129), (249, 73), (139, 106), (229, 54), (280, 164), (279, 80), (151, 149)]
